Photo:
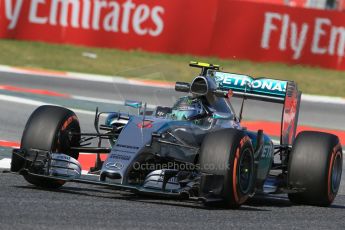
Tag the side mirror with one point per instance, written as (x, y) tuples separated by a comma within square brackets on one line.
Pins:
[(220, 115), (133, 104)]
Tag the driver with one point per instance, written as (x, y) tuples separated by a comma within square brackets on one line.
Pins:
[(188, 109)]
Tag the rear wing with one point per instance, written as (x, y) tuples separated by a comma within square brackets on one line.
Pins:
[(265, 89)]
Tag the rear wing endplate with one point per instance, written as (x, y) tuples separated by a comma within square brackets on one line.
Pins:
[(290, 114)]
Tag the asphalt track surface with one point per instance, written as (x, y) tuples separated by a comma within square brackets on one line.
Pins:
[(92, 207)]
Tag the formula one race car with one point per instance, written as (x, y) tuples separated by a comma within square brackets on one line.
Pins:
[(196, 149)]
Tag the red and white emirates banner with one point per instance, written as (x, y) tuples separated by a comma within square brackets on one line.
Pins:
[(224, 28)]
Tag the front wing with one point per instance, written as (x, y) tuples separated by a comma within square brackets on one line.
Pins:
[(43, 164)]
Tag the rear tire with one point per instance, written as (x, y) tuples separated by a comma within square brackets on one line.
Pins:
[(315, 165), (229, 153), (47, 129)]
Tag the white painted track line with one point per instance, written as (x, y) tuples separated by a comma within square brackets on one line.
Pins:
[(5, 163)]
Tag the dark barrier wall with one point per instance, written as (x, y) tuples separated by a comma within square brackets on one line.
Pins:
[(224, 28)]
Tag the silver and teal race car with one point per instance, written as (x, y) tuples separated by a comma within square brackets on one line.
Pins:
[(196, 149)]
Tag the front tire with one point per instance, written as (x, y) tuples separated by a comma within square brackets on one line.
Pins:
[(228, 154), (315, 166), (48, 129)]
